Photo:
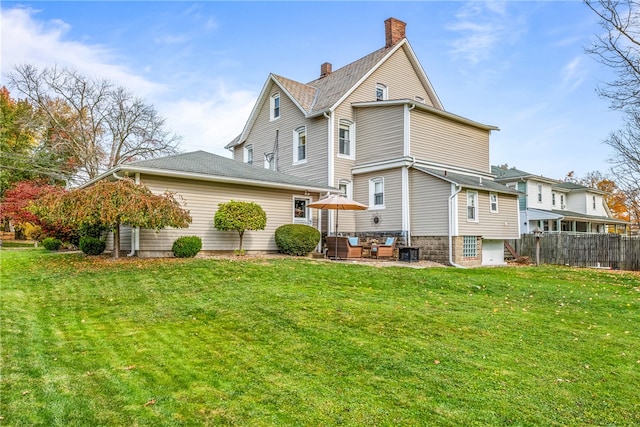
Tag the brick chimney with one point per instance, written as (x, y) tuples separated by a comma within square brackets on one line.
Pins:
[(394, 31), (325, 69)]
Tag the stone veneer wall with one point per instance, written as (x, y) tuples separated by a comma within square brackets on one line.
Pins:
[(436, 248)]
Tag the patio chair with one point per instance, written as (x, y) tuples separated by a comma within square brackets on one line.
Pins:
[(386, 250), (340, 247)]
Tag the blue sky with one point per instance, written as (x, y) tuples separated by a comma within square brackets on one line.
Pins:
[(517, 65)]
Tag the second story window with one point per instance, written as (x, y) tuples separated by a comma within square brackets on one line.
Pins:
[(540, 193), (594, 202), (562, 201), (472, 206), (300, 144), (376, 193), (381, 92), (248, 154), (346, 138), (553, 199), (493, 202), (275, 106)]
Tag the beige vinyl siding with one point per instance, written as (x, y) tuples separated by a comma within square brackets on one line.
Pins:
[(380, 133), (429, 205), (262, 136), (390, 218), (125, 239), (443, 141), (491, 225), (201, 198)]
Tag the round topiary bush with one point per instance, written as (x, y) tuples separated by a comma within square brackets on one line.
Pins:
[(52, 244), (92, 245), (186, 246), (297, 239)]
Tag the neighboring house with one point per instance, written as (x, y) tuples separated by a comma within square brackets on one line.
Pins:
[(203, 180), (376, 130), (556, 206)]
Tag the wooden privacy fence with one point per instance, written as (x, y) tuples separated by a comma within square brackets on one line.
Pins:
[(582, 250)]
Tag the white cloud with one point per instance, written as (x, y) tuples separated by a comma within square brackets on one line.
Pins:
[(26, 40), (573, 74)]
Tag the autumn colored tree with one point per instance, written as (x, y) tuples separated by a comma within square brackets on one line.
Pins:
[(240, 216), (114, 203)]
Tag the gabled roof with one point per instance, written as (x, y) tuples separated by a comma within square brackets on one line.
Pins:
[(201, 165), (572, 186), (325, 94), (469, 181), (513, 174), (568, 215)]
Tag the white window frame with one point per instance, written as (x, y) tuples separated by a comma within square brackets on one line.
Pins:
[(274, 107), (346, 187), (248, 154), (594, 202), (553, 199), (539, 193), (302, 130), (351, 129), (472, 203), (270, 161), (372, 193), (493, 202), (307, 219), (562, 206), (382, 92)]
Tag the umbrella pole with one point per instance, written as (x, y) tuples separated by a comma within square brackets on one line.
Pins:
[(336, 232)]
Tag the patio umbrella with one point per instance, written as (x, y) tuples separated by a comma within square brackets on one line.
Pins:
[(338, 202)]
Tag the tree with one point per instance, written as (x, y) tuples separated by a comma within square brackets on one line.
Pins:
[(111, 204), (94, 124), (240, 216)]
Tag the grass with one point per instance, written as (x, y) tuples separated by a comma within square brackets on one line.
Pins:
[(269, 342)]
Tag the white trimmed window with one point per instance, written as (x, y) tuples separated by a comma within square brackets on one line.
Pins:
[(345, 138), (382, 93), (300, 145), (562, 206), (472, 206), (493, 202), (539, 192), (301, 211), (345, 186), (275, 106), (376, 193), (248, 154), (270, 161), (553, 199), (594, 202)]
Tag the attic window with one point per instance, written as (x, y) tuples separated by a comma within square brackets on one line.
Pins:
[(275, 106), (381, 92)]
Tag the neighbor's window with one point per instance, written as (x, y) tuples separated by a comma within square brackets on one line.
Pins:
[(345, 137), (553, 199), (275, 106), (562, 201), (381, 92), (540, 192), (301, 214), (248, 154), (376, 193), (300, 144), (594, 202), (469, 246), (493, 202), (472, 205)]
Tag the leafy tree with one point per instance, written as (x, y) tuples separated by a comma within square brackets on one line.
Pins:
[(111, 204), (240, 216), (92, 123)]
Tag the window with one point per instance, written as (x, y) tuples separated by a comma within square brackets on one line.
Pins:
[(345, 186), (275, 106), (539, 192), (562, 201), (270, 161), (493, 202), (594, 202), (469, 246), (381, 92), (376, 193), (300, 145), (345, 137), (301, 214), (553, 199), (248, 154), (472, 206)]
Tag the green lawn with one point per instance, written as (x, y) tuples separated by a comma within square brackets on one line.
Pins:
[(280, 342)]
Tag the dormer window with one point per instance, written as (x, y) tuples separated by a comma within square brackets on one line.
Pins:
[(275, 106), (381, 92)]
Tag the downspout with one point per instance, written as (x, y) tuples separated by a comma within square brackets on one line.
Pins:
[(451, 213), (330, 164), (135, 232)]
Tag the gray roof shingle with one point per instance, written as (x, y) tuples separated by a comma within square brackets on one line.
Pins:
[(469, 181)]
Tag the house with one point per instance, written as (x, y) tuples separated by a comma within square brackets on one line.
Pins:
[(377, 130), (558, 206), (201, 181)]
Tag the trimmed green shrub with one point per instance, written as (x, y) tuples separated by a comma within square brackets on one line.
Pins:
[(186, 246), (52, 244), (297, 239), (92, 245)]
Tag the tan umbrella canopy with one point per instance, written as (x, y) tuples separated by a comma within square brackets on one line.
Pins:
[(338, 202)]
